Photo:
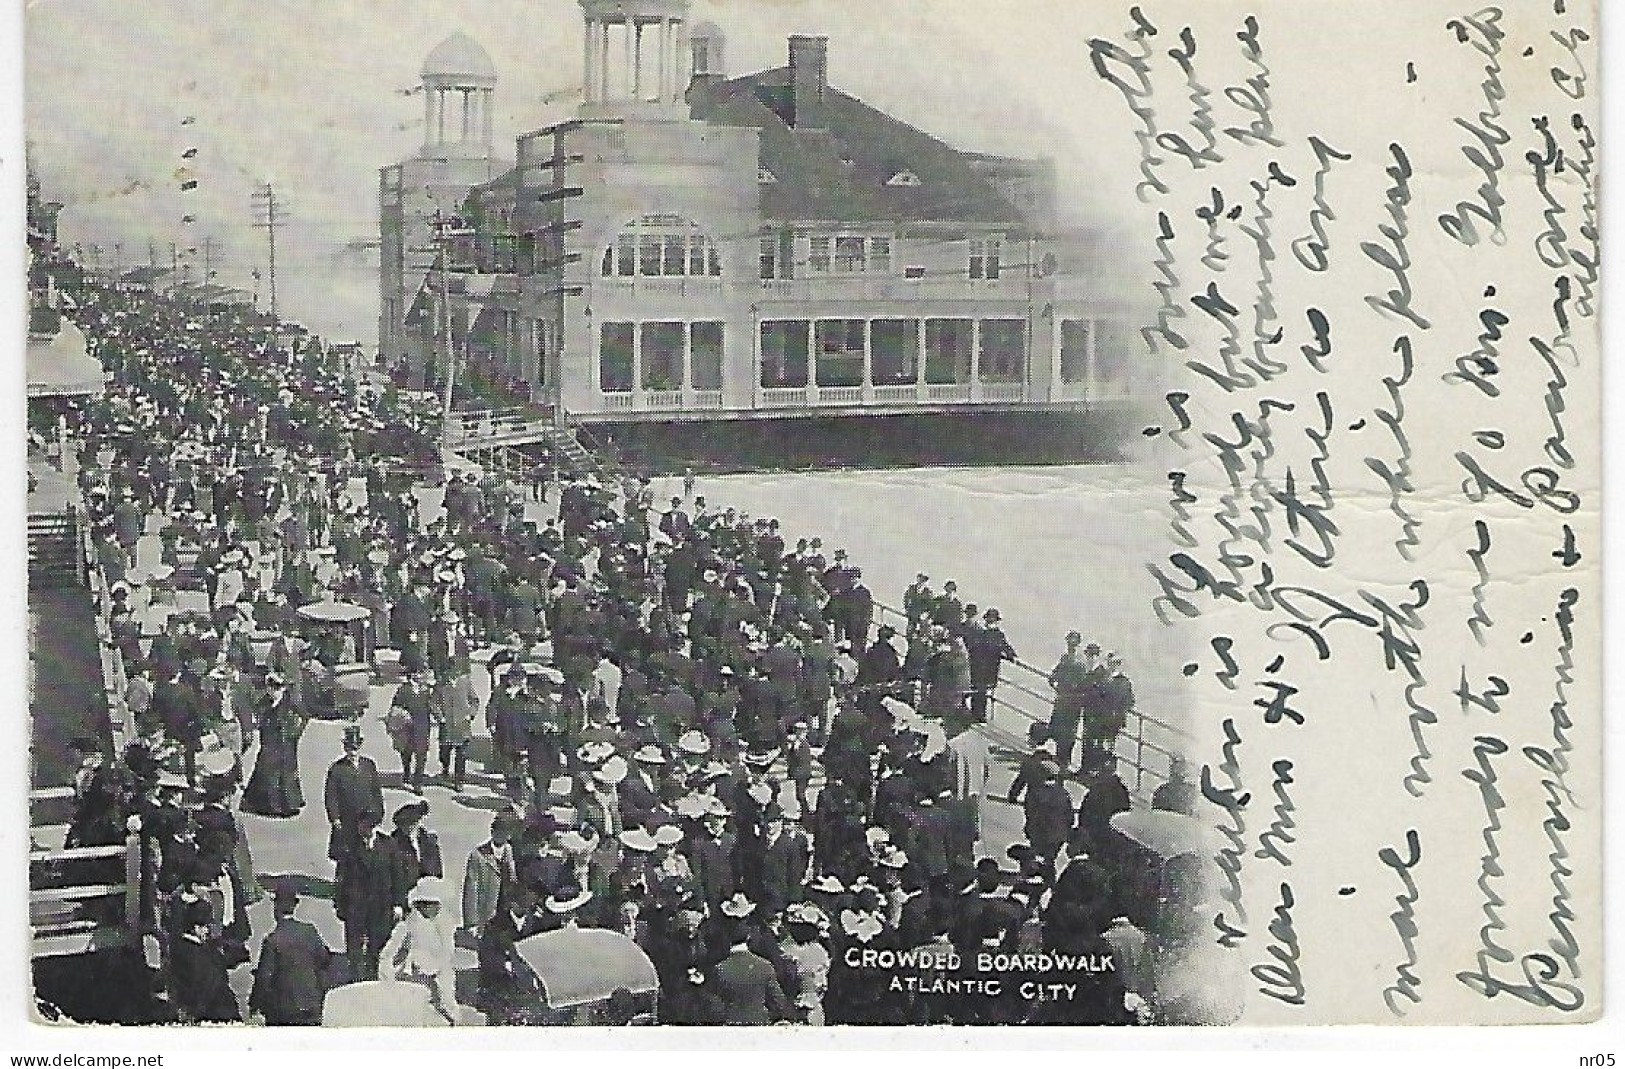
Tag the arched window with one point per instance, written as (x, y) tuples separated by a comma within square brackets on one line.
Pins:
[(662, 246)]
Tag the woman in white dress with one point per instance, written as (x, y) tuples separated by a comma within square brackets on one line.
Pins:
[(420, 949)]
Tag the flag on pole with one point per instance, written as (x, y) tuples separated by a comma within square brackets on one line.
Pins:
[(189, 153), (188, 218), (188, 186), (189, 120)]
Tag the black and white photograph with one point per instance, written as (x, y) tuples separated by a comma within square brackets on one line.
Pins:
[(693, 513), (674, 565)]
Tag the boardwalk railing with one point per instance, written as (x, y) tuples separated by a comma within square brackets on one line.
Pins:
[(83, 898), (490, 427), (1146, 744)]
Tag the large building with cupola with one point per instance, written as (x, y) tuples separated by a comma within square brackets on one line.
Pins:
[(699, 246)]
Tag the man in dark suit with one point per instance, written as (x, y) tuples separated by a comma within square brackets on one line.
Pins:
[(988, 649), (352, 788), (198, 983), (786, 854), (290, 981), (747, 986), (880, 664), (1048, 812), (376, 876), (710, 858)]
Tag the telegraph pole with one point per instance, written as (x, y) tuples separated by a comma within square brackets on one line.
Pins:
[(273, 217), (447, 230), (208, 259)]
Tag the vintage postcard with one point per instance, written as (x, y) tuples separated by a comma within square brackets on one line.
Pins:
[(812, 513)]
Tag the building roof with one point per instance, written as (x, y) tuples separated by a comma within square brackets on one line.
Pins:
[(460, 56), (840, 171), (143, 275)]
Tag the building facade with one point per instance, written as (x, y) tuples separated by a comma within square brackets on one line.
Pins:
[(459, 95), (693, 246)]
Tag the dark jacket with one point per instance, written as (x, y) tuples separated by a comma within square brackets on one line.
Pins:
[(349, 792), (423, 849), (1049, 816), (713, 866), (199, 986), (749, 989), (783, 868), (290, 980), (375, 880)]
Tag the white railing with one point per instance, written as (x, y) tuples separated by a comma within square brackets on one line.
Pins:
[(674, 287), (840, 395), (707, 398), (877, 287), (784, 397), (1004, 391), (948, 392), (896, 395), (617, 400), (663, 399)]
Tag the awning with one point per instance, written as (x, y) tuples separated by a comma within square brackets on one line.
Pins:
[(60, 366)]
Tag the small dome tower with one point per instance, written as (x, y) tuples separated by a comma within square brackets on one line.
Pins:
[(459, 90)]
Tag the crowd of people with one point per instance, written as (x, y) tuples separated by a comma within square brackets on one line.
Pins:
[(699, 736)]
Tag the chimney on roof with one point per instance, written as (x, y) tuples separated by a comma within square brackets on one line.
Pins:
[(809, 80)]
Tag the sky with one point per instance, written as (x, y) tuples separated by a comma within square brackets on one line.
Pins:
[(309, 95)]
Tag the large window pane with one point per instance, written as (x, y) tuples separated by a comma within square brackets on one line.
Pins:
[(649, 249), (947, 351), (676, 255), (1004, 344), (662, 356), (1075, 350), (784, 353), (615, 358), (896, 344), (1116, 346), (849, 257), (840, 352), (705, 347)]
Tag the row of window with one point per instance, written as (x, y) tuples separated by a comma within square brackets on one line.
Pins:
[(833, 350), (662, 256), (659, 348), (830, 349), (645, 252), (651, 354)]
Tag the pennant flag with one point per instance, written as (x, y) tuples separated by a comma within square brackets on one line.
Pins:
[(187, 187), (189, 120), (188, 218), (189, 153)]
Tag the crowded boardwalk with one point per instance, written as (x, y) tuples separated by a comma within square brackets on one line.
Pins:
[(564, 745)]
